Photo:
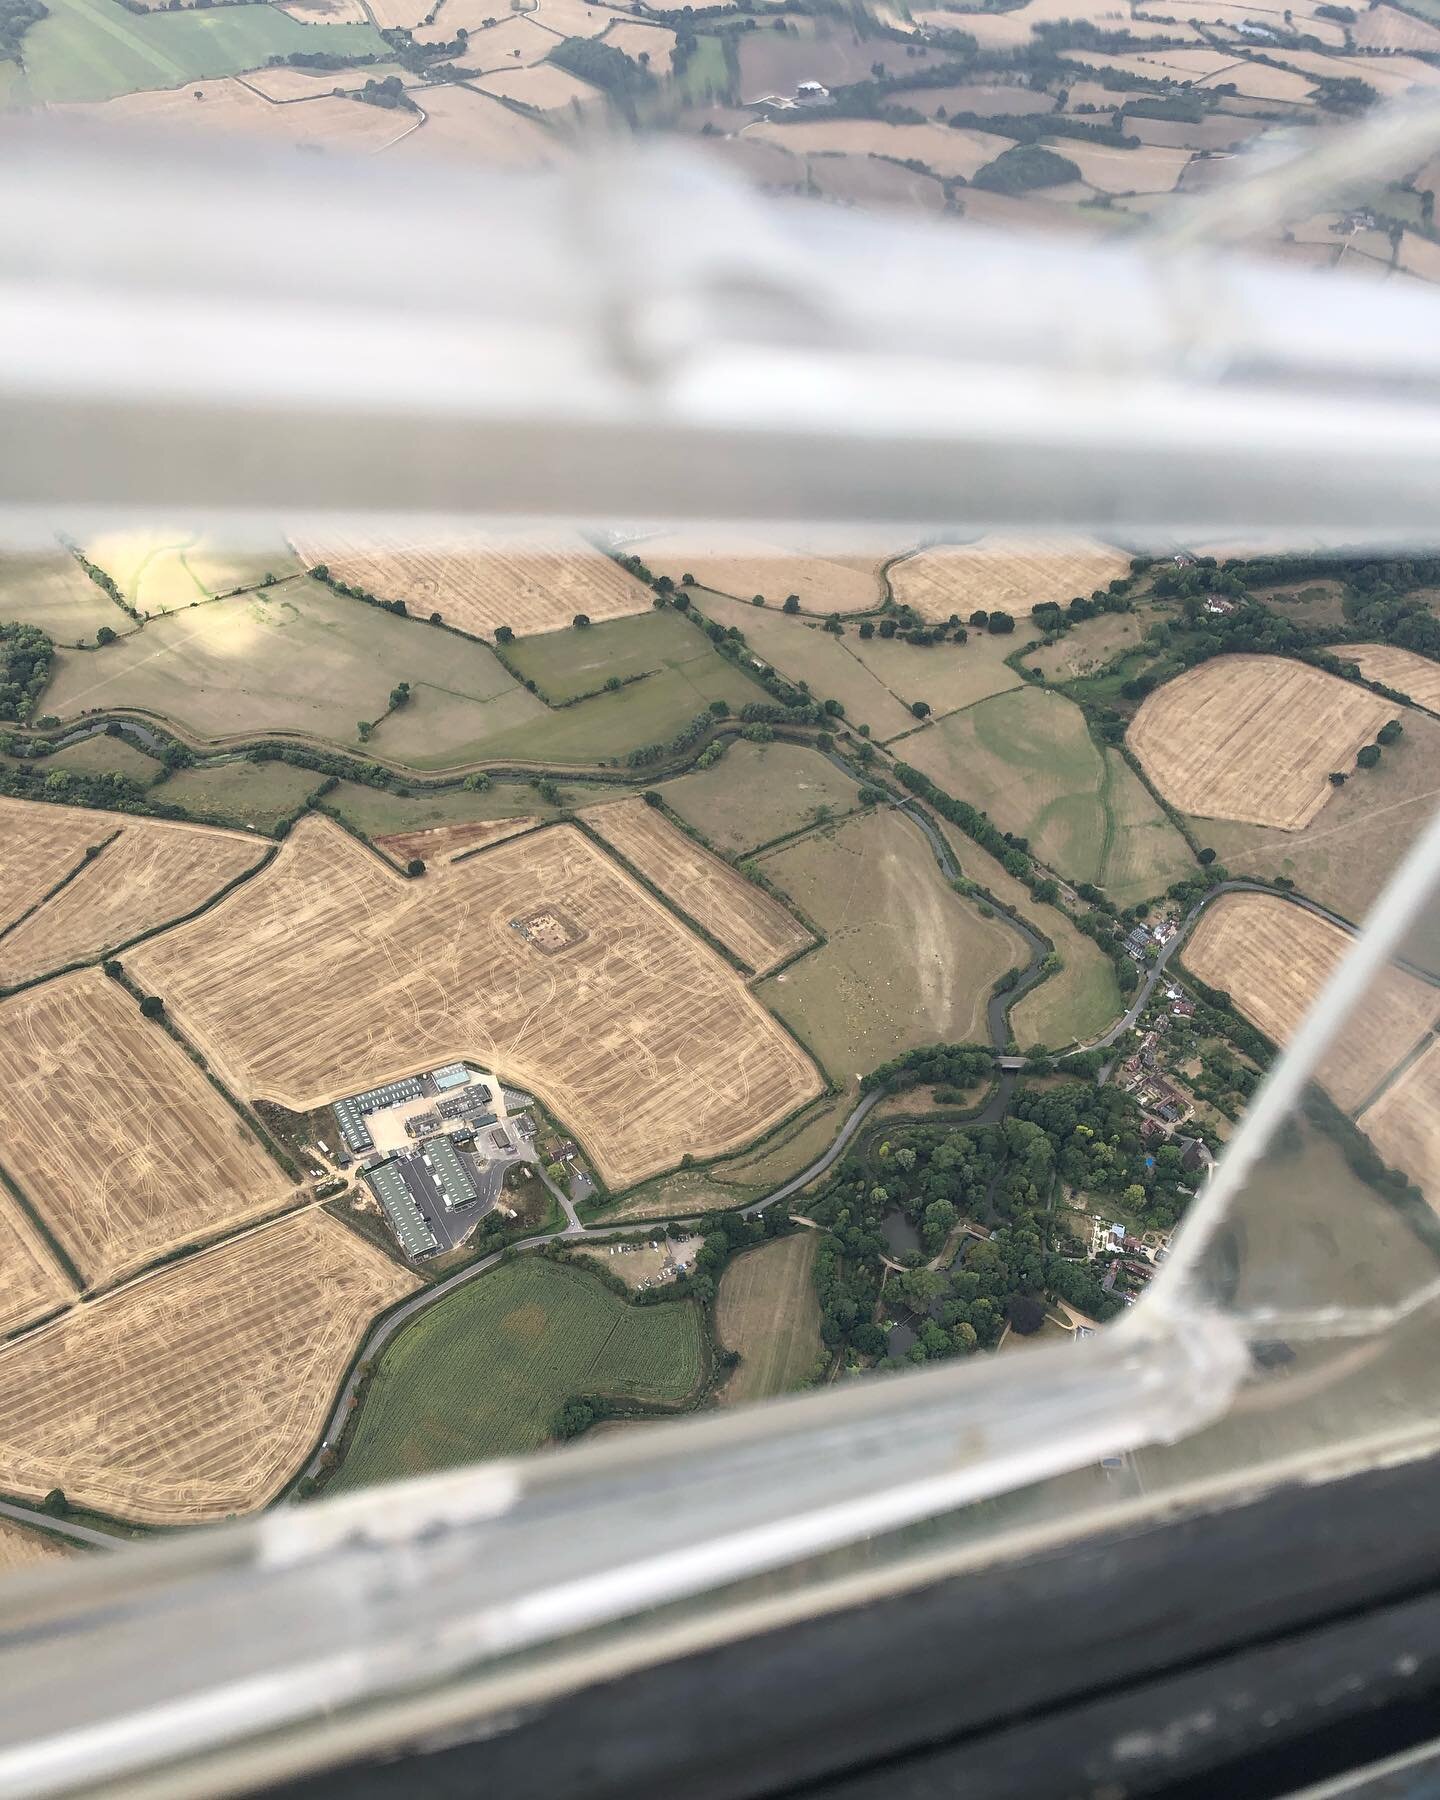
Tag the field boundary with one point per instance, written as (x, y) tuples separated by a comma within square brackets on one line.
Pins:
[(92, 855), (56, 1249)]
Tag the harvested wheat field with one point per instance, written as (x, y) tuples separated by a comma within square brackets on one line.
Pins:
[(1004, 574), (1253, 738), (1273, 957), (43, 844), (943, 151), (742, 567), (1409, 674), (230, 106), (283, 83), (655, 42), (744, 918), (462, 126), (24, 1550), (512, 43), (198, 1391), (540, 959), (32, 1283), (152, 871), (479, 584), (542, 86), (574, 18), (1387, 28), (1401, 1123), (443, 843), (1152, 169), (112, 1133)]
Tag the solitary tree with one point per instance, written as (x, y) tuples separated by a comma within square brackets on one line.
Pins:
[(920, 708), (415, 866), (757, 600), (104, 635), (504, 635), (792, 604), (1207, 856), (580, 621)]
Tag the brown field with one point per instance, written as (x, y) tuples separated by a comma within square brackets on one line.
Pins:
[(744, 918), (1418, 256), (326, 12), (1215, 133), (490, 46), (198, 1391), (573, 18), (231, 106), (1390, 76), (154, 871), (1150, 170), (871, 181), (1259, 82), (975, 97), (112, 1133), (1087, 646), (477, 585), (757, 162), (400, 14), (634, 39), (1253, 738), (42, 845), (1004, 31), (33, 1283), (1401, 1123), (542, 86), (22, 1549), (823, 49), (767, 1310), (285, 84), (1387, 28), (1272, 958), (942, 151), (443, 843), (1402, 670), (329, 972), (742, 568), (463, 126), (1005, 574)]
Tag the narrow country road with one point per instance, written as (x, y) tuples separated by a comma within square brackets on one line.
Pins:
[(81, 1534)]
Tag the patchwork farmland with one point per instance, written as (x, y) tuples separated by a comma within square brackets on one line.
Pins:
[(122, 1146), (1008, 574), (751, 924), (196, 1391), (1254, 738), (541, 958)]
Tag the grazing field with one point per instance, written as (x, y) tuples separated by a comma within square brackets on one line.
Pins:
[(258, 794), (767, 1310), (742, 568), (25, 1550), (564, 665), (946, 676), (1152, 169), (91, 49), (542, 86), (1088, 646), (43, 844), (1028, 760), (655, 43), (443, 843), (154, 871), (462, 126), (34, 1282), (1079, 1001), (1217, 132), (1401, 1123), (759, 792), (1402, 670), (1273, 958), (802, 651), (313, 84), (1253, 738), (379, 813), (1344, 857), (101, 754), (976, 98), (479, 585), (198, 1391), (233, 106), (1419, 256), (114, 1135), (299, 658), (56, 594), (514, 1344), (907, 961), (574, 18), (540, 959), (773, 62), (744, 918), (871, 181), (943, 152), (512, 43), (1004, 574)]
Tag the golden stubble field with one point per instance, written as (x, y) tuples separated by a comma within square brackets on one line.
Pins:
[(1402, 670), (153, 871), (540, 958), (1003, 574), (114, 1136), (33, 1283), (480, 584), (197, 1391), (744, 918), (1272, 958), (1253, 738), (1401, 1123), (743, 567)]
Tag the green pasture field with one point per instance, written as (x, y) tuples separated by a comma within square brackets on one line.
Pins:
[(258, 794), (802, 651), (1082, 998), (907, 961), (567, 663), (55, 593), (101, 755), (1028, 760), (483, 1372), (161, 571), (706, 73), (95, 49), (767, 1310), (945, 676), (294, 657), (1086, 648), (759, 792), (378, 811)]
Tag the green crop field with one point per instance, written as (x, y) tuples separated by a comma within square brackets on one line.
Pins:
[(706, 73), (907, 961), (257, 794), (1028, 760), (759, 792), (483, 1372), (767, 1310), (564, 664), (95, 49), (56, 594)]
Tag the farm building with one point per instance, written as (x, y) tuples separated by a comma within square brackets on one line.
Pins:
[(406, 1221), (394, 1093), (354, 1132), (451, 1175), (453, 1075)]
